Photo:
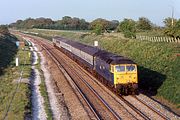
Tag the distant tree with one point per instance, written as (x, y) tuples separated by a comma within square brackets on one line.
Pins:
[(98, 30), (128, 27), (144, 24), (173, 31), (4, 30), (113, 25), (84, 25), (169, 21), (68, 23), (99, 24), (44, 23)]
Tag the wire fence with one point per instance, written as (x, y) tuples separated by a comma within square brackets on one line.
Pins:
[(158, 39)]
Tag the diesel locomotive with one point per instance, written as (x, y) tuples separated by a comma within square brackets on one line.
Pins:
[(115, 71)]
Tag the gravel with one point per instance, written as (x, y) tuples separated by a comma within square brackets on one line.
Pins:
[(158, 106), (59, 111), (38, 110)]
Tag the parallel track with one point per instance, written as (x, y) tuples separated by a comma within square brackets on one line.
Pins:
[(106, 108), (153, 109)]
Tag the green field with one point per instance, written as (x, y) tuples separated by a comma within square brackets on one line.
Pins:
[(159, 63), (13, 96)]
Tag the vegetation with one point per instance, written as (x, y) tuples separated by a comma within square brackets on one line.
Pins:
[(4, 30), (9, 75), (98, 26), (128, 27), (67, 23), (158, 62), (172, 27), (144, 24)]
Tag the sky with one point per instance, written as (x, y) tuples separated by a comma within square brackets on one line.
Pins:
[(154, 10)]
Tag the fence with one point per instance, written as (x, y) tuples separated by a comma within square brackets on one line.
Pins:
[(158, 39)]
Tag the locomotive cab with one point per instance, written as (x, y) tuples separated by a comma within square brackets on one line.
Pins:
[(125, 77)]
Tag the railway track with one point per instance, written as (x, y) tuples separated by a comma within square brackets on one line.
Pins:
[(98, 106), (74, 84), (152, 108), (97, 112)]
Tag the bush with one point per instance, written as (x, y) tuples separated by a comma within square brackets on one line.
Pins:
[(4, 30), (129, 34), (98, 30)]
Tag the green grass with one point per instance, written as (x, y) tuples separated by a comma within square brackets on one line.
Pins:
[(159, 72), (152, 33), (20, 104), (44, 93)]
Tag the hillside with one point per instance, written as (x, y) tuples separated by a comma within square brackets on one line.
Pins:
[(159, 63)]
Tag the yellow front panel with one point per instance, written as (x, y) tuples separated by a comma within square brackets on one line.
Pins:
[(125, 77)]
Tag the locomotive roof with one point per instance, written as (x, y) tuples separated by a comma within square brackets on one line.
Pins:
[(85, 48), (110, 58)]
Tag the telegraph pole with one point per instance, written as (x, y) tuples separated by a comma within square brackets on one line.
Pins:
[(172, 21)]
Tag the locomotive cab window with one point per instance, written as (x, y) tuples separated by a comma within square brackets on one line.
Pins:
[(130, 68), (120, 68)]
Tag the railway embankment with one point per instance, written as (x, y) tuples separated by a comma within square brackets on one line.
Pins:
[(158, 62), (14, 84)]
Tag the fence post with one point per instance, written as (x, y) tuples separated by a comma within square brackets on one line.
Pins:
[(175, 40), (161, 39), (167, 39)]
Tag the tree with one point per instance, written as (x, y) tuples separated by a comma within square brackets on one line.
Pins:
[(4, 30), (169, 22), (100, 25), (69, 23), (172, 27), (128, 27), (144, 24), (113, 24), (42, 23)]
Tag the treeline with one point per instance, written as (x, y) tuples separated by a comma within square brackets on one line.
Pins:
[(128, 27), (67, 23)]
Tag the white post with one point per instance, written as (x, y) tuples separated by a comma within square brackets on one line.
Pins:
[(96, 43), (17, 62)]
